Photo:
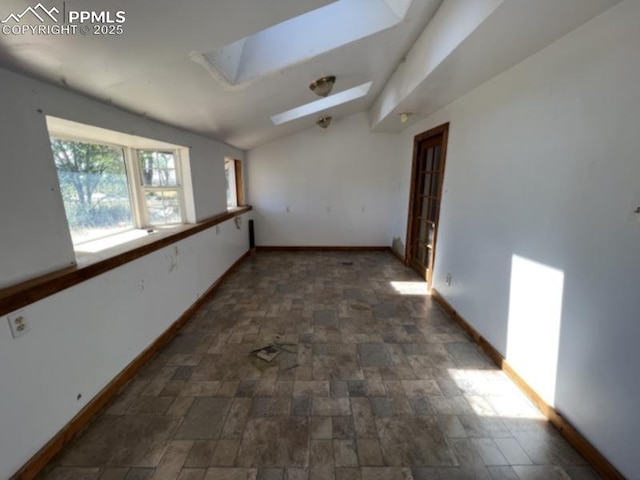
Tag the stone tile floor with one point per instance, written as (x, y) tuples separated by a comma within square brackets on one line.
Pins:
[(384, 385)]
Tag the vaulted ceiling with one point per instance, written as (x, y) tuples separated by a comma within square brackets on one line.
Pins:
[(225, 67)]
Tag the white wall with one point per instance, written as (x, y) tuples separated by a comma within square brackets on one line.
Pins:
[(33, 220), (344, 168), (82, 337), (544, 164)]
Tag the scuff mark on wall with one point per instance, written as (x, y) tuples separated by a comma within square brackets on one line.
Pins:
[(398, 246), (172, 259)]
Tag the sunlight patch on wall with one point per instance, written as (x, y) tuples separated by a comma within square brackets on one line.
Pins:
[(535, 313)]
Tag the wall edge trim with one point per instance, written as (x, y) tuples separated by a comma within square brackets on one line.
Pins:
[(597, 460), (40, 460)]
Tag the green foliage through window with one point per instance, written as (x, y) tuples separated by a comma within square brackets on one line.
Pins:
[(95, 191), (160, 186), (158, 168)]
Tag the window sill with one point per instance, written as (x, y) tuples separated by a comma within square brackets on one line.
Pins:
[(104, 248), (90, 265)]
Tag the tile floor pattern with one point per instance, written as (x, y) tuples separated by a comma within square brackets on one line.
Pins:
[(384, 386)]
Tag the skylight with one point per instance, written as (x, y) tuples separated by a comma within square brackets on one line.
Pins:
[(315, 33), (322, 104)]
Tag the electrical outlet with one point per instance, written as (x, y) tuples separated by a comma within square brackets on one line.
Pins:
[(448, 280), (288, 209), (364, 208), (328, 209), (18, 324)]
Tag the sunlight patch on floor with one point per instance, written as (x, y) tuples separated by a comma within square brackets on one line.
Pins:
[(410, 288), (490, 393)]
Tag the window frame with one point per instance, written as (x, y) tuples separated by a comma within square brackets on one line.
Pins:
[(179, 188), (139, 209), (236, 181), (127, 167)]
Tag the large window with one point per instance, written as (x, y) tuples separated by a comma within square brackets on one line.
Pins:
[(94, 187), (109, 188)]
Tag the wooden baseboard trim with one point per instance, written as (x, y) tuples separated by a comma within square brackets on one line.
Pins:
[(75, 426), (275, 248), (573, 436)]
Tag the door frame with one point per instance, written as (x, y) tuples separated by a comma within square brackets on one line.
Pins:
[(439, 130)]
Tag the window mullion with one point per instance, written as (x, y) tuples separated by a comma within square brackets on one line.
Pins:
[(181, 199), (143, 189), (135, 180)]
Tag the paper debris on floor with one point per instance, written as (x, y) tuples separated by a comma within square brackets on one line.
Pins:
[(274, 348), (268, 353)]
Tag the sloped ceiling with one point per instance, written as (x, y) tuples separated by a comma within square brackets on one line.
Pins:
[(426, 59), (150, 68), (467, 44)]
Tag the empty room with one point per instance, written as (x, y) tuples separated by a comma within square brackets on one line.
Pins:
[(319, 239)]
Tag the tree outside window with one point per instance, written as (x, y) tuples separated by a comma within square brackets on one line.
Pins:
[(94, 187)]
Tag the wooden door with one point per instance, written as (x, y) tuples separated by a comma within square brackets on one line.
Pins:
[(424, 206)]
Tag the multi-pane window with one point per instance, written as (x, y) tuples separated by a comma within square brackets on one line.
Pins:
[(108, 189), (160, 185)]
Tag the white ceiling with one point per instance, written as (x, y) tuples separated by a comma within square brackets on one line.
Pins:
[(149, 70), (467, 44), (154, 68)]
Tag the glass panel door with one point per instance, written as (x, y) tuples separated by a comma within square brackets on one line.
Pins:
[(426, 194)]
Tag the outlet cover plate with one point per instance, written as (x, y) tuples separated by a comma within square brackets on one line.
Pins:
[(18, 324)]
